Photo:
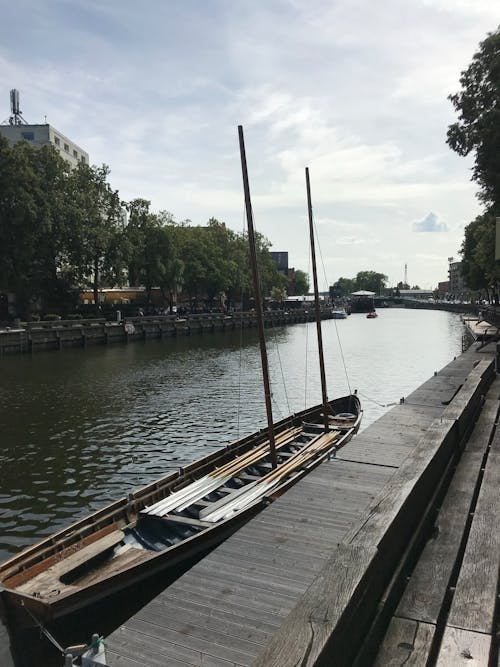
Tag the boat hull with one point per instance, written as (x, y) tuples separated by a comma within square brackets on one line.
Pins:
[(25, 610)]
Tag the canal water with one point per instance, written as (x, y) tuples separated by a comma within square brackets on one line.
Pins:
[(80, 428)]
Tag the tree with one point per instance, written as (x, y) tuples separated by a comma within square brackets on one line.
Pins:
[(343, 287), (34, 227), (278, 294), (140, 220), (98, 223), (173, 276), (19, 233), (479, 269), (57, 282), (370, 281), (301, 282), (477, 128)]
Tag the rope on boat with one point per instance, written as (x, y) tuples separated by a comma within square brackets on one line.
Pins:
[(334, 321), (70, 652), (44, 630), (381, 405), (289, 412)]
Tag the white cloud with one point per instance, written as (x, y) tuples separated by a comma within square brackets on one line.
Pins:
[(429, 224), (356, 91)]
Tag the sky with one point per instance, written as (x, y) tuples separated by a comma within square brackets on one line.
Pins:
[(355, 90)]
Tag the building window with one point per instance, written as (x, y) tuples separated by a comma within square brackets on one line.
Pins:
[(75, 154), (83, 159), (57, 141), (66, 148), (29, 136)]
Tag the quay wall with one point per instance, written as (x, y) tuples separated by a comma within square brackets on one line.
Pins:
[(61, 334)]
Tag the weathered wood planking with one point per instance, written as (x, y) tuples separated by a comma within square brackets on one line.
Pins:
[(429, 582), (461, 647), (387, 526), (428, 585), (325, 610), (389, 440), (398, 506), (149, 648), (466, 403), (287, 556), (253, 582), (473, 604), (382, 533), (406, 644), (439, 391)]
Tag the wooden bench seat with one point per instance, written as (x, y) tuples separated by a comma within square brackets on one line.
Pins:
[(49, 580)]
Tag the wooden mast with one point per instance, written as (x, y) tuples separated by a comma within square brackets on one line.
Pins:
[(258, 299), (316, 306)]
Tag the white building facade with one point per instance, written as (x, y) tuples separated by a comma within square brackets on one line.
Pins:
[(41, 135)]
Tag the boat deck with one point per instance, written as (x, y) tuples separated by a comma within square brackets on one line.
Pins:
[(249, 601)]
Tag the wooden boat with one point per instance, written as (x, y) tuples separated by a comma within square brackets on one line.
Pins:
[(171, 519), (180, 516)]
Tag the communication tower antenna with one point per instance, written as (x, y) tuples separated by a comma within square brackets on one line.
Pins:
[(406, 274), (16, 118)]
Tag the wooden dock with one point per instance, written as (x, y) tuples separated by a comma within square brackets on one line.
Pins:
[(481, 329), (318, 577)]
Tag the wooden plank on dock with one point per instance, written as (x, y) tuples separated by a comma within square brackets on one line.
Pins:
[(300, 581), (406, 644), (391, 438), (317, 625), (465, 403), (428, 585), (429, 582), (409, 488), (258, 574), (462, 647), (473, 604)]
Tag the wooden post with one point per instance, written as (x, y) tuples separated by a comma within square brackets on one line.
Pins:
[(258, 299), (316, 306)]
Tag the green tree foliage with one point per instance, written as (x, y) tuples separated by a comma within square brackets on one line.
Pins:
[(97, 223), (278, 294), (478, 108), (479, 269), (301, 282), (64, 230), (370, 281), (478, 130), (34, 228), (344, 286)]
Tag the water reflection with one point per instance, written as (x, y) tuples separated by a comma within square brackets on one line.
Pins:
[(81, 428)]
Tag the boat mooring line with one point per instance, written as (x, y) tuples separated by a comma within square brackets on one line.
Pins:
[(382, 405), (44, 630)]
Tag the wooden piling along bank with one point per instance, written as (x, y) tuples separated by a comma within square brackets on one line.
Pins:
[(61, 334), (316, 578)]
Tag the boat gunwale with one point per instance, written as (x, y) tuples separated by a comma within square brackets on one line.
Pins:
[(50, 609), (116, 514)]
